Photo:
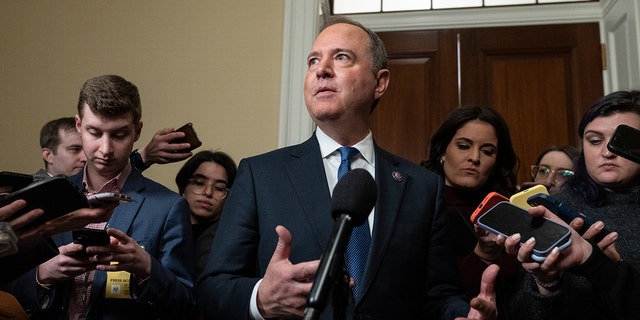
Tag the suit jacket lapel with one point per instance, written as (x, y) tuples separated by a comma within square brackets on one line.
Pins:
[(391, 184), (306, 166)]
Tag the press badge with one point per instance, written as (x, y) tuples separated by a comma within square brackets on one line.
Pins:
[(118, 285)]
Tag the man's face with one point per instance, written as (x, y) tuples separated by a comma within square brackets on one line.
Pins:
[(68, 159), (340, 83), (107, 143)]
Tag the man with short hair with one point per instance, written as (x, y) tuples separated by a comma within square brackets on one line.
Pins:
[(61, 148), (146, 271), (277, 221)]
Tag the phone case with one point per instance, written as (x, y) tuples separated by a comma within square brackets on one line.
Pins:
[(15, 180), (487, 203), (190, 136), (520, 198), (56, 196), (91, 237), (626, 143), (507, 219)]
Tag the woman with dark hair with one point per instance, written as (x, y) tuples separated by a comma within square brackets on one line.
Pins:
[(204, 181), (553, 167), (473, 153), (604, 187)]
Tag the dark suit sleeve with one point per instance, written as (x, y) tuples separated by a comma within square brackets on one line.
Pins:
[(225, 285), (616, 284), (445, 298)]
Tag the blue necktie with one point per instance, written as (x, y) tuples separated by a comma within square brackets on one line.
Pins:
[(358, 247)]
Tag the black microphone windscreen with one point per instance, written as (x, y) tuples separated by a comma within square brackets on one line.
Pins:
[(355, 194)]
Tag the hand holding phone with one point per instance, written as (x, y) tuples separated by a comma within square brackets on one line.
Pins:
[(190, 136), (90, 237), (507, 219), (565, 213)]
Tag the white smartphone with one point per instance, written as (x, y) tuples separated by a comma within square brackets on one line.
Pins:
[(100, 199)]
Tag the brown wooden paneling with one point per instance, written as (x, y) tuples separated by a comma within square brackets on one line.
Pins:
[(423, 80), (540, 78)]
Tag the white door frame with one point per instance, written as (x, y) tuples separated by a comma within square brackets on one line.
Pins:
[(302, 19)]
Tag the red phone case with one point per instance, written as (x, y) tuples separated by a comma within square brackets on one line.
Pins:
[(487, 203)]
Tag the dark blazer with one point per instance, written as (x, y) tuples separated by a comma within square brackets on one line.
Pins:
[(157, 219), (410, 272)]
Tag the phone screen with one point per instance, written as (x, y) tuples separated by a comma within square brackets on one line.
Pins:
[(507, 219)]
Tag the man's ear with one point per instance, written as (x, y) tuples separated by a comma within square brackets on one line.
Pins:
[(138, 130), (47, 155), (382, 82), (78, 123)]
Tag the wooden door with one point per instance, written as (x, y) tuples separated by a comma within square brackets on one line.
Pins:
[(423, 80), (540, 78)]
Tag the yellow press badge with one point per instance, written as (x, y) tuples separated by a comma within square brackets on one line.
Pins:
[(118, 285)]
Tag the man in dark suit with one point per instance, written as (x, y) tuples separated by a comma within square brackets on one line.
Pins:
[(277, 220)]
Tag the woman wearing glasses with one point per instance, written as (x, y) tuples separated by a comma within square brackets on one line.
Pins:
[(553, 167), (204, 181)]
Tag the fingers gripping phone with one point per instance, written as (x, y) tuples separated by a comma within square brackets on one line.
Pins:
[(507, 219), (487, 203), (190, 136), (90, 237), (565, 213), (520, 198)]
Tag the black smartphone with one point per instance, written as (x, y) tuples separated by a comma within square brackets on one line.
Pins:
[(507, 219), (190, 136), (625, 142), (56, 196), (90, 237), (564, 212), (15, 180)]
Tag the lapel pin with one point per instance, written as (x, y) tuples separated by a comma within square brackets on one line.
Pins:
[(397, 176)]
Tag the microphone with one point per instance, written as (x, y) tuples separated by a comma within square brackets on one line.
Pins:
[(353, 198)]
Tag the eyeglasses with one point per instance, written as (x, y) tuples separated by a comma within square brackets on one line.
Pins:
[(542, 172), (199, 186)]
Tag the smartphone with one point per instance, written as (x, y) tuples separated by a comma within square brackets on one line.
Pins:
[(100, 199), (56, 196), (564, 212), (487, 203), (190, 136), (625, 142), (91, 237), (15, 180), (520, 198), (506, 219)]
